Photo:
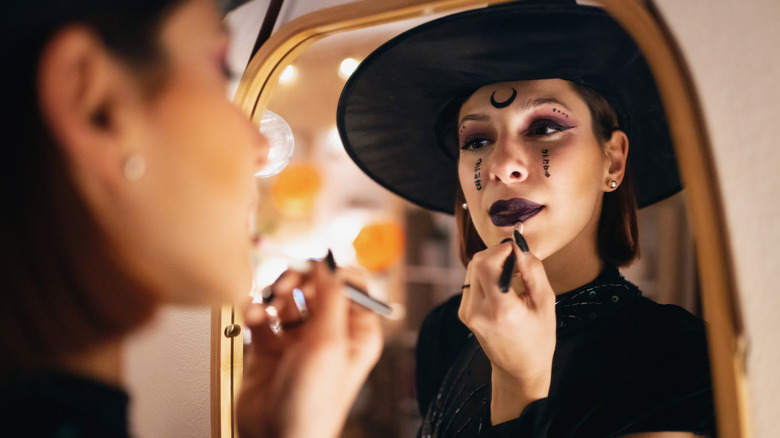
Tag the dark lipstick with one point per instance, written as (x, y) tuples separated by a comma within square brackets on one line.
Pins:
[(508, 212)]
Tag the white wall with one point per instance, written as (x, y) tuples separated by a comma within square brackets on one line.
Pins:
[(732, 50), (167, 373)]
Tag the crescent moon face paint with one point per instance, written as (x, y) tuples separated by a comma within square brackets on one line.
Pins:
[(505, 103)]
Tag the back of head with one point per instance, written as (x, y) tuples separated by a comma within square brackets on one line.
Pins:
[(64, 289)]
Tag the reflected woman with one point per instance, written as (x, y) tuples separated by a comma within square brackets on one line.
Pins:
[(541, 124), (128, 184)]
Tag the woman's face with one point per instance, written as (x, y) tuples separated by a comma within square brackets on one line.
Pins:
[(187, 221), (529, 155)]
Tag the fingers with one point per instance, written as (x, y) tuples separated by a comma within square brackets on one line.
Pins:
[(365, 334), (256, 320), (328, 306), (487, 268), (532, 274), (482, 298), (486, 292)]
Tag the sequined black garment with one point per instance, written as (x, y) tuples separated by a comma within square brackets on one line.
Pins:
[(622, 364)]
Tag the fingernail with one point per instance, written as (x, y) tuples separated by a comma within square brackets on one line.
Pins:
[(330, 261), (506, 273), (521, 243), (268, 294), (508, 239)]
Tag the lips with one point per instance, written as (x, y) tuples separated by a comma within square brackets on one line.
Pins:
[(506, 213)]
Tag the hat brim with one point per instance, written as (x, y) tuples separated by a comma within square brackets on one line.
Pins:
[(395, 114)]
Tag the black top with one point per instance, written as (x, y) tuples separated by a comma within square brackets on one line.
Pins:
[(62, 406), (622, 364)]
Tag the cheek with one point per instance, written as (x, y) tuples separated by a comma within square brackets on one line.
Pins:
[(212, 143), (471, 175), (577, 171)]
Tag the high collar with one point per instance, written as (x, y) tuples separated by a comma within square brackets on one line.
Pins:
[(588, 303)]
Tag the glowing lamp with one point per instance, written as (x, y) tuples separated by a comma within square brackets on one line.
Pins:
[(379, 245), (295, 189)]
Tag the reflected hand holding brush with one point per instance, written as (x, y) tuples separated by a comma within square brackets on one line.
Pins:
[(266, 294)]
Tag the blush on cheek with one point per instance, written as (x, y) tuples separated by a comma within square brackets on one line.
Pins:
[(478, 174)]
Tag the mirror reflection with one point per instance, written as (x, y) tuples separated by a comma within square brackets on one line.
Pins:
[(410, 255)]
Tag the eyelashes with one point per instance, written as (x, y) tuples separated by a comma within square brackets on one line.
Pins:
[(546, 127), (474, 144), (228, 72), (538, 129)]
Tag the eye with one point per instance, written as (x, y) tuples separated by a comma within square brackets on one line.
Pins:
[(545, 127), (228, 72), (474, 144)]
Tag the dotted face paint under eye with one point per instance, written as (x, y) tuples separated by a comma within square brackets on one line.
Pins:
[(546, 162), (478, 175)]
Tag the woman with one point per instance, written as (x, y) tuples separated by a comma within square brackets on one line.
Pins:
[(129, 184), (522, 116)]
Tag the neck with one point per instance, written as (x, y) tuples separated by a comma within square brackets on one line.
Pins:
[(574, 266), (103, 363), (569, 276)]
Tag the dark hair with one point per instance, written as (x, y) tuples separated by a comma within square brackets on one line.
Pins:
[(618, 232), (64, 287)]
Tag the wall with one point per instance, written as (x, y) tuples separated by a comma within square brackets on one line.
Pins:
[(167, 373), (731, 49)]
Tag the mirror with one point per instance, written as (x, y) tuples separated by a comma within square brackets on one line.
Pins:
[(414, 281)]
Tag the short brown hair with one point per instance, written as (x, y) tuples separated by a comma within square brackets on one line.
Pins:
[(64, 287), (618, 231)]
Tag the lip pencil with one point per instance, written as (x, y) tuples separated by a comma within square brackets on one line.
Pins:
[(353, 292), (505, 279)]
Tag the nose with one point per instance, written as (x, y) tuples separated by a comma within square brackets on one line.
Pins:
[(508, 163)]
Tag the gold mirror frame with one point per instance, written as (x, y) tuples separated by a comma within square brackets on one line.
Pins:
[(725, 333)]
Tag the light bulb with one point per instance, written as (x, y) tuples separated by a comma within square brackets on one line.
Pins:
[(280, 141)]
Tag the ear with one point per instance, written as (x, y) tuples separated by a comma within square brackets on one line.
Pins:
[(81, 93), (615, 156)]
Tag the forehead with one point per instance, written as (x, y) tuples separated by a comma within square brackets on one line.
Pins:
[(524, 93), (195, 23)]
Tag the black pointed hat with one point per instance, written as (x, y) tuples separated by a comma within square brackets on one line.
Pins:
[(397, 113)]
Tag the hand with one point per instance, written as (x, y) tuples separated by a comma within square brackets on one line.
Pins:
[(302, 382), (515, 329)]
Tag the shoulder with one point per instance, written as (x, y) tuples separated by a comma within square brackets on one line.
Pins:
[(665, 379), (441, 337), (665, 322)]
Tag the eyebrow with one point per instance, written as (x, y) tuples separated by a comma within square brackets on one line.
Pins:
[(539, 101), (529, 104), (479, 117)]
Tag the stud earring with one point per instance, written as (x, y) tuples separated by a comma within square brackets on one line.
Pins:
[(135, 167), (465, 206), (612, 184)]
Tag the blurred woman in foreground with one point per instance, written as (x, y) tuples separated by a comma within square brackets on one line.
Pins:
[(129, 183)]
